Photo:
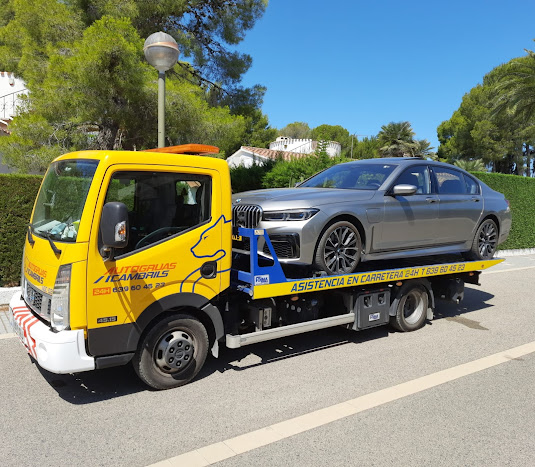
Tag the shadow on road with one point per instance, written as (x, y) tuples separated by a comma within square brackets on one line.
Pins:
[(100, 385)]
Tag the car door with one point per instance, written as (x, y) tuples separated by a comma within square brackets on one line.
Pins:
[(410, 221), (460, 205)]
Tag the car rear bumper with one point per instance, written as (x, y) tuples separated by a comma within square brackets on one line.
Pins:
[(58, 352)]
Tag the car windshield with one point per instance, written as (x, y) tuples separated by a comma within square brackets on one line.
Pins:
[(61, 199), (351, 177)]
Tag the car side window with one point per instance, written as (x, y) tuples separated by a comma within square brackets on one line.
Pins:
[(449, 182), (472, 187), (160, 204), (418, 176)]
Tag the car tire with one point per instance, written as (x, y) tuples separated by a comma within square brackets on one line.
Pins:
[(339, 248), (172, 352), (410, 305), (485, 241)]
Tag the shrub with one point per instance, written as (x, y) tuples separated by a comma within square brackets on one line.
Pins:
[(17, 195), (288, 173), (250, 178)]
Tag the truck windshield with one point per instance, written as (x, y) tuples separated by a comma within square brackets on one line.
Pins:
[(62, 198)]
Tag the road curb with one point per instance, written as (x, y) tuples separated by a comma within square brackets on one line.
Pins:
[(6, 293)]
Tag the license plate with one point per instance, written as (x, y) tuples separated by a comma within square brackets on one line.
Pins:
[(238, 238)]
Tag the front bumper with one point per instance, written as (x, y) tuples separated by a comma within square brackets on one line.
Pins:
[(58, 352)]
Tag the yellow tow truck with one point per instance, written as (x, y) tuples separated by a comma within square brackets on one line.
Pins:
[(129, 258)]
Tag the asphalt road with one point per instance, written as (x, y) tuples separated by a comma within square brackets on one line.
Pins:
[(108, 417)]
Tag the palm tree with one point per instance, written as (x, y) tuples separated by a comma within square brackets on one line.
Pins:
[(515, 87), (424, 149), (474, 165), (397, 140)]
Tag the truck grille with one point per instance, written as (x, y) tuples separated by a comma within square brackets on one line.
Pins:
[(246, 215), (38, 301)]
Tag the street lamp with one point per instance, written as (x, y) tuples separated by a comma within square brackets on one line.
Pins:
[(161, 51)]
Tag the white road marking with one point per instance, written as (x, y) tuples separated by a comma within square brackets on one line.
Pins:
[(247, 442), (8, 335)]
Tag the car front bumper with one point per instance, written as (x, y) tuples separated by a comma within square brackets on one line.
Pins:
[(58, 352)]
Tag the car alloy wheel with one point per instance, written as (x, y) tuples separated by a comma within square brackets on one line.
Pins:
[(339, 249)]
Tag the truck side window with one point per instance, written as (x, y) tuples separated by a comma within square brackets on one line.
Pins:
[(160, 204)]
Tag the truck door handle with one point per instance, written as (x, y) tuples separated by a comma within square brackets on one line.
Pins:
[(209, 270), (431, 200)]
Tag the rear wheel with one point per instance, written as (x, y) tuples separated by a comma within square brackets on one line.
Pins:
[(410, 305), (172, 352), (485, 241), (338, 250)]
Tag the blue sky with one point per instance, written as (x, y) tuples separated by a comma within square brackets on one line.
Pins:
[(362, 64)]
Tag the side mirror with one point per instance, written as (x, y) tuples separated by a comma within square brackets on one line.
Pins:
[(113, 228), (404, 190)]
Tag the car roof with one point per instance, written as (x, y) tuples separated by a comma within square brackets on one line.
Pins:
[(405, 161)]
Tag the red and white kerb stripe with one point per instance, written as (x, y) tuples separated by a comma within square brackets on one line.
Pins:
[(26, 320)]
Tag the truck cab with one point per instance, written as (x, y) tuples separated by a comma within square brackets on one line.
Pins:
[(117, 238)]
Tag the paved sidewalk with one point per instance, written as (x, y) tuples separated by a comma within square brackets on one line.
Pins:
[(5, 327)]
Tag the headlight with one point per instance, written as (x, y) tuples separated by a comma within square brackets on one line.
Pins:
[(59, 308), (290, 215)]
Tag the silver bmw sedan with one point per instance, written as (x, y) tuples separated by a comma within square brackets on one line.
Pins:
[(373, 209)]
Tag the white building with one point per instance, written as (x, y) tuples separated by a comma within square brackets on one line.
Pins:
[(11, 88), (284, 147), (304, 146)]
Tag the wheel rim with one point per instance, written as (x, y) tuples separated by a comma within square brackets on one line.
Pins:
[(341, 250), (413, 306), (174, 352), (487, 240)]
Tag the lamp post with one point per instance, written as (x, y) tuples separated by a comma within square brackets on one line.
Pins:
[(161, 51)]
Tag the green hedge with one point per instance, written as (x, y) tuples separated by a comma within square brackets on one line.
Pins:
[(17, 194), (520, 191)]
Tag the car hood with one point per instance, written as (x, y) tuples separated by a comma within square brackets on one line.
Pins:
[(292, 198)]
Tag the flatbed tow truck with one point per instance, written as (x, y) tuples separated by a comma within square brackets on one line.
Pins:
[(129, 258)]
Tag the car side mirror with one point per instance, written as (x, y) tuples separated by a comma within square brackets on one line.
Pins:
[(113, 228), (404, 190)]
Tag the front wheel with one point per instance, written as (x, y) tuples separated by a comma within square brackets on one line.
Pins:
[(338, 250), (172, 352)]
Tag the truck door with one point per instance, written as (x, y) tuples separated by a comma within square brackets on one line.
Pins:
[(174, 246)]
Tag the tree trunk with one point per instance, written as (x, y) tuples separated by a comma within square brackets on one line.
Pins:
[(107, 136)]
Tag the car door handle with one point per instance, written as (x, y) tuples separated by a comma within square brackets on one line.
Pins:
[(431, 200), (475, 200)]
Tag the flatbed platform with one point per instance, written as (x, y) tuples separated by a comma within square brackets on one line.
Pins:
[(270, 281)]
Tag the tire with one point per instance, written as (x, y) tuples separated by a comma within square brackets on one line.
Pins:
[(172, 352), (410, 306), (338, 250), (485, 241)]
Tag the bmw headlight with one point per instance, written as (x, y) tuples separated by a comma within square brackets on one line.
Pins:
[(59, 307), (289, 215)]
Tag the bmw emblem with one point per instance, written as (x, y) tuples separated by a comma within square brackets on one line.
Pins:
[(237, 200)]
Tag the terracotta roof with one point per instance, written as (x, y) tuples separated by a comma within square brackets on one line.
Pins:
[(271, 154)]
